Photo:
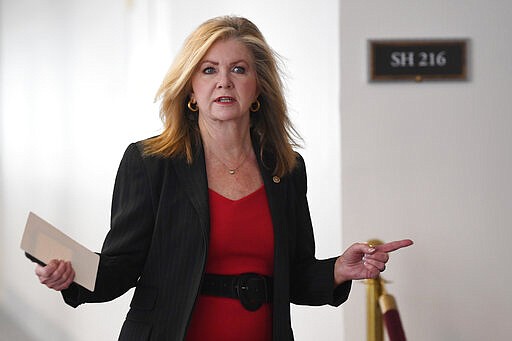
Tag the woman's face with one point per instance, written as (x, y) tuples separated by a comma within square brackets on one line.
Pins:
[(224, 84)]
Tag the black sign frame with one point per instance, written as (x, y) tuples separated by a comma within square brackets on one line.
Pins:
[(418, 59)]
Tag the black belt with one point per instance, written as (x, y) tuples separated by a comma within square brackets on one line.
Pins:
[(251, 289)]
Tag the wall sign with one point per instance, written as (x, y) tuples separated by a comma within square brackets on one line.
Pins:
[(417, 59)]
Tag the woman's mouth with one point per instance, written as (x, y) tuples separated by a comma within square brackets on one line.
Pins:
[(224, 99)]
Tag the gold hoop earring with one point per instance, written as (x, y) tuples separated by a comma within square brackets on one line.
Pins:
[(192, 106), (255, 106)]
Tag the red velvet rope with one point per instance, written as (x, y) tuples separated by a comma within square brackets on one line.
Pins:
[(394, 325)]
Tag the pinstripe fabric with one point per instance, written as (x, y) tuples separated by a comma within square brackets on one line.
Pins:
[(158, 243)]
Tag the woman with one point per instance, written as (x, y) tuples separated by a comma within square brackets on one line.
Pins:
[(210, 220)]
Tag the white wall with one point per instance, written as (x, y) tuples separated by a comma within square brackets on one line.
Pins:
[(432, 161), (78, 79), (72, 100)]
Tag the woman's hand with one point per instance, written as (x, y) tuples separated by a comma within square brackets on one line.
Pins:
[(57, 274), (362, 261)]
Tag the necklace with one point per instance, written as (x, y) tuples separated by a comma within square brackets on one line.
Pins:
[(231, 171)]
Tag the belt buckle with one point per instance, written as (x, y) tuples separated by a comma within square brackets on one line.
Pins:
[(250, 293)]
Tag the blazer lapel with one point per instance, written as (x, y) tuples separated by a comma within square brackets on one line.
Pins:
[(276, 194), (275, 188), (195, 184)]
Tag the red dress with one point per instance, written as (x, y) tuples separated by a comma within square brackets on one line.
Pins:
[(241, 240)]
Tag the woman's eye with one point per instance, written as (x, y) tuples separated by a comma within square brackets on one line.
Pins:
[(208, 70), (239, 69)]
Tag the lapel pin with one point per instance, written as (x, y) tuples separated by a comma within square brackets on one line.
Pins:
[(276, 179)]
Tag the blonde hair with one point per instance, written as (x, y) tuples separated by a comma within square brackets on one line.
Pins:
[(271, 123)]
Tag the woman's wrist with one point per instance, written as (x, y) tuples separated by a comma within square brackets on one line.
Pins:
[(339, 278)]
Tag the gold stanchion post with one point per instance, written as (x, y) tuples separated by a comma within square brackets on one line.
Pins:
[(374, 327)]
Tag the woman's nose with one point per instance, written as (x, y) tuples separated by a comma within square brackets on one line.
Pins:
[(224, 81)]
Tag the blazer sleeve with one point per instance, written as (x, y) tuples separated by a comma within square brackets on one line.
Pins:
[(126, 244), (312, 280)]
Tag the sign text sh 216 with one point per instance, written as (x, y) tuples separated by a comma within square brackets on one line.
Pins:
[(418, 59)]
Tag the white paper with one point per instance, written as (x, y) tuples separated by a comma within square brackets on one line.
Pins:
[(45, 242)]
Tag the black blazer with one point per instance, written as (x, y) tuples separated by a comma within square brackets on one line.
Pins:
[(158, 243)]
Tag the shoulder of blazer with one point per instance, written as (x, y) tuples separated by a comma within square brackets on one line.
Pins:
[(157, 166)]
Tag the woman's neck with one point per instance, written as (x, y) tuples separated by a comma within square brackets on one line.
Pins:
[(229, 140)]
